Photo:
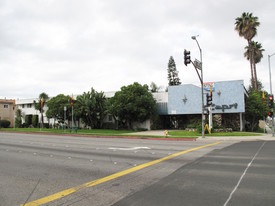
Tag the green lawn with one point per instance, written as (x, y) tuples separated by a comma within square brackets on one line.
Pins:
[(107, 132), (60, 131), (92, 132)]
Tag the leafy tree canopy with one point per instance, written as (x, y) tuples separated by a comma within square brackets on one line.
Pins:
[(255, 108), (92, 108), (134, 103), (56, 107), (154, 87)]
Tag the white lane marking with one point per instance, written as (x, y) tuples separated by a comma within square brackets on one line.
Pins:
[(248, 165), (130, 148)]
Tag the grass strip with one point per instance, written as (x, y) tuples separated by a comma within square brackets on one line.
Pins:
[(94, 132)]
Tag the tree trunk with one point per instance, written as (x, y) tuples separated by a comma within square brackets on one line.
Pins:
[(251, 65), (254, 68), (255, 74)]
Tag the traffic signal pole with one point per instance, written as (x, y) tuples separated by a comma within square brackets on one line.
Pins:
[(271, 114), (187, 60), (201, 78), (271, 92)]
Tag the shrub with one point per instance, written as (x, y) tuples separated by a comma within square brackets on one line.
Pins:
[(5, 123), (46, 125), (28, 120), (141, 129), (35, 120), (18, 122), (199, 129), (109, 125)]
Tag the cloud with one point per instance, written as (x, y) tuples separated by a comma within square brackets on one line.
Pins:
[(70, 46)]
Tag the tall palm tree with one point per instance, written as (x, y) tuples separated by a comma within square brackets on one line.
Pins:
[(246, 26), (43, 97), (257, 54)]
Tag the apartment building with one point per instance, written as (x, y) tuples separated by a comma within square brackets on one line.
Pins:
[(7, 110)]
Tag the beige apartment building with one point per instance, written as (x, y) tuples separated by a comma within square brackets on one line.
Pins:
[(6, 110)]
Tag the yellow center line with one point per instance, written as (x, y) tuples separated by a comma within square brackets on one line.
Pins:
[(67, 192)]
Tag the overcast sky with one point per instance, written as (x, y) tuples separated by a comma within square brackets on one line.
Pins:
[(69, 46)]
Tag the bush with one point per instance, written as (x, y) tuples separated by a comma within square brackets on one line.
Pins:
[(46, 125), (18, 122), (109, 125), (28, 120), (199, 129), (35, 120), (191, 126), (5, 123), (141, 129)]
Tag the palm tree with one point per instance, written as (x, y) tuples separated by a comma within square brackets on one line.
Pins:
[(43, 97), (257, 53), (92, 108), (246, 26)]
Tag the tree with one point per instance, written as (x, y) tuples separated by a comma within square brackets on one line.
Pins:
[(35, 120), (56, 107), (258, 55), (260, 87), (255, 109), (92, 108), (154, 87), (172, 73), (134, 103), (43, 97), (18, 119), (246, 26)]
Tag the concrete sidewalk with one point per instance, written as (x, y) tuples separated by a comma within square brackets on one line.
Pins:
[(267, 137)]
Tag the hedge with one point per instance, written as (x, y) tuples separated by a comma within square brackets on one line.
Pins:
[(5, 123)]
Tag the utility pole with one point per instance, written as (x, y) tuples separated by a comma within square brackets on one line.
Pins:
[(201, 77), (272, 110), (65, 109)]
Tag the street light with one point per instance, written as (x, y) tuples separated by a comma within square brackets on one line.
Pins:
[(202, 104), (271, 91)]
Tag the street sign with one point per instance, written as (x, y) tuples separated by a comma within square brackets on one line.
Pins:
[(197, 64)]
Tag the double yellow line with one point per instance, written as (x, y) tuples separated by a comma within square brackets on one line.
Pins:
[(67, 192)]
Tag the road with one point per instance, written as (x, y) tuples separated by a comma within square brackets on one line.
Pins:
[(53, 169)]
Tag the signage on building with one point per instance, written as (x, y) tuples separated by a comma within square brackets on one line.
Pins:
[(224, 107), (206, 86)]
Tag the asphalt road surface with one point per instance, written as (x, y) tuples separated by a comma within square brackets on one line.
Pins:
[(64, 170)]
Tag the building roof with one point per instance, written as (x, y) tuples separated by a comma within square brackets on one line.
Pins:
[(6, 101)]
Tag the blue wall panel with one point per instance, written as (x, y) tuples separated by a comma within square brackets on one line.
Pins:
[(228, 97)]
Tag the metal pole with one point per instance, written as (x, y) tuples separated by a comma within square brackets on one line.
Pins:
[(65, 109), (41, 119), (202, 102), (72, 116), (272, 120)]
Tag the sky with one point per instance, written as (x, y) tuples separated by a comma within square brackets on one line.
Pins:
[(68, 47)]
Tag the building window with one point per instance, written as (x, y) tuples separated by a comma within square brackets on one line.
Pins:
[(29, 105), (6, 106), (23, 106)]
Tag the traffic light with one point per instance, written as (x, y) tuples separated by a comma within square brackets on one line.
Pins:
[(270, 102), (208, 99), (270, 114), (187, 59)]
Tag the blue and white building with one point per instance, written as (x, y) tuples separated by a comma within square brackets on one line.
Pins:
[(183, 101), (228, 100)]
